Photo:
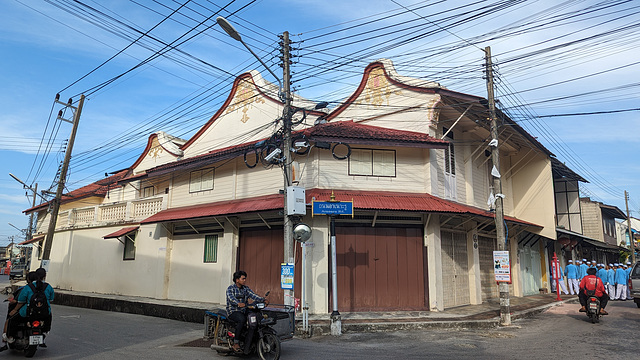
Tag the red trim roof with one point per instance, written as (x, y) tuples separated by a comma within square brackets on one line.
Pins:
[(356, 133), (338, 131), (98, 188), (367, 200), (32, 240), (123, 231)]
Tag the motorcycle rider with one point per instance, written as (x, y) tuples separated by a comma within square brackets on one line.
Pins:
[(237, 296), (594, 285)]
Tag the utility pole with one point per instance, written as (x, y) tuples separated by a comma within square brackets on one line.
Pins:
[(286, 164), (633, 245), (505, 308), (55, 203), (31, 226)]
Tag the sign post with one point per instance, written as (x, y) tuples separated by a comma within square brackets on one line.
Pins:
[(502, 266)]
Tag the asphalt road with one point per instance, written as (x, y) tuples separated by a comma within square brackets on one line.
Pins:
[(559, 332)]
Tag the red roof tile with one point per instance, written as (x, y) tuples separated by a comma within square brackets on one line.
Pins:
[(123, 231), (98, 188), (368, 200), (349, 131)]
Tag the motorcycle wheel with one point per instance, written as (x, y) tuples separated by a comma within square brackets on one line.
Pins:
[(30, 351), (269, 347)]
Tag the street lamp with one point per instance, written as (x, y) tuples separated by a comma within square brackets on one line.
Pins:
[(235, 35), (285, 96)]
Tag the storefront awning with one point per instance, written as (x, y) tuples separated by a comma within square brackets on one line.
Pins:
[(32, 240), (589, 241), (121, 232), (363, 200)]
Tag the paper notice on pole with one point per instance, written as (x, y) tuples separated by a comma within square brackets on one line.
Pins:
[(502, 266)]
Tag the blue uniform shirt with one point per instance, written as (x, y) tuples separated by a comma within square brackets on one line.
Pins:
[(611, 277), (602, 274), (583, 271), (621, 277), (25, 297), (571, 271)]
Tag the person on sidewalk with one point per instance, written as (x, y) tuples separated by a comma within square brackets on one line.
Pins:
[(602, 274), (593, 285), (571, 272), (621, 283), (560, 279), (583, 269), (611, 282), (238, 294), (628, 268)]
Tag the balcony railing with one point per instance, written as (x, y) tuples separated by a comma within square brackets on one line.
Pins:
[(119, 212)]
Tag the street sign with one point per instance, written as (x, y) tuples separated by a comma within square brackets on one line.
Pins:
[(331, 208), (502, 266), (286, 276)]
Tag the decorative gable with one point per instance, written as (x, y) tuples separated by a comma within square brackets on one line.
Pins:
[(161, 148)]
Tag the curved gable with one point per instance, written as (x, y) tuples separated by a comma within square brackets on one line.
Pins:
[(387, 99), (161, 148), (245, 116)]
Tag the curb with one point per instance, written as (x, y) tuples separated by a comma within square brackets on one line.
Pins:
[(172, 312)]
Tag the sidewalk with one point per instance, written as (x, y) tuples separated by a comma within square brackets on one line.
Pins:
[(469, 316)]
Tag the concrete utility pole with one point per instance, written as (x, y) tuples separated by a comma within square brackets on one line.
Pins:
[(55, 203), (505, 308), (286, 163), (633, 245), (31, 226)]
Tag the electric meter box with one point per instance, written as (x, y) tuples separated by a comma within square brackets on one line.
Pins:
[(296, 204)]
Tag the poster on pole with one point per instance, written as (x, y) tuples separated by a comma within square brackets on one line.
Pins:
[(502, 266), (286, 276)]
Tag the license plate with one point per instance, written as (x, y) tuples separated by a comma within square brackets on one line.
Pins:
[(36, 339), (593, 306)]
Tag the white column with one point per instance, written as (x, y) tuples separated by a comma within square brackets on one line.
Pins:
[(434, 261)]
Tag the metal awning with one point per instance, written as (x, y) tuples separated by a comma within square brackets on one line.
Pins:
[(121, 232), (32, 240)]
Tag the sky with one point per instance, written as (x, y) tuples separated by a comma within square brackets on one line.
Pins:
[(566, 71)]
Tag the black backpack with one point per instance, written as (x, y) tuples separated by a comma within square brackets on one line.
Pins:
[(38, 305)]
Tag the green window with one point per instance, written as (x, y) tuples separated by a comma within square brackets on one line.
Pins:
[(211, 248)]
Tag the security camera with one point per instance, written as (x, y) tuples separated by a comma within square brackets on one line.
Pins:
[(272, 155)]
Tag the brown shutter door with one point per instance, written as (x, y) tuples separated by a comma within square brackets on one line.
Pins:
[(380, 268)]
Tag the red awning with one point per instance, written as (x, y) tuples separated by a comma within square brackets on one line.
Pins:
[(366, 200), (261, 203), (121, 232), (31, 241)]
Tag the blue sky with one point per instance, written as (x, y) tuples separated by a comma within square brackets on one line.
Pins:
[(45, 49)]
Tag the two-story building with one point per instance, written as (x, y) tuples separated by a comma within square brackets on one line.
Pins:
[(412, 155)]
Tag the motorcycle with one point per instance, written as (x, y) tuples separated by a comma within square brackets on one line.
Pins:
[(28, 337), (593, 309), (265, 341)]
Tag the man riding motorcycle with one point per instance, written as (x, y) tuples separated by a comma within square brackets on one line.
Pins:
[(594, 286), (237, 296)]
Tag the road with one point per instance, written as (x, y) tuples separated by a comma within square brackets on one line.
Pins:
[(561, 331)]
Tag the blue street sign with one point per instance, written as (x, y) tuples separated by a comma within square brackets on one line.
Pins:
[(332, 208)]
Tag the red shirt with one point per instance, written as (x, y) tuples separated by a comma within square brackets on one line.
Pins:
[(591, 282)]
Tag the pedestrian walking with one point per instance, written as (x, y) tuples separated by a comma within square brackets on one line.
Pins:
[(621, 283), (571, 272), (583, 269), (627, 268), (563, 287), (611, 282)]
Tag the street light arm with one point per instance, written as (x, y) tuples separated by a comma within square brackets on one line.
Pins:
[(235, 35)]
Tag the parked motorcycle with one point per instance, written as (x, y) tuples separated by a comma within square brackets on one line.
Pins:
[(265, 341), (593, 309), (28, 336)]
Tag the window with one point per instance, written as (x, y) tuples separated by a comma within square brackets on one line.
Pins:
[(450, 185), (201, 180), (211, 248), (147, 191), (368, 162), (130, 246), (40, 249)]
